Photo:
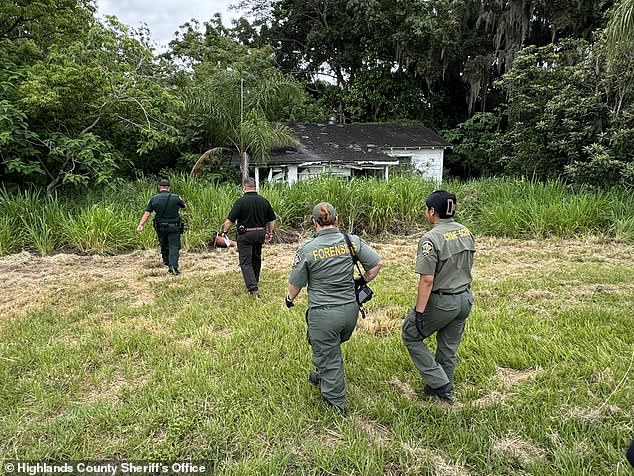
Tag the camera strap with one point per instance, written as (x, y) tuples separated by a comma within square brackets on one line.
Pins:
[(353, 253), (355, 261)]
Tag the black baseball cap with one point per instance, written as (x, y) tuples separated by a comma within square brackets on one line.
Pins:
[(164, 183)]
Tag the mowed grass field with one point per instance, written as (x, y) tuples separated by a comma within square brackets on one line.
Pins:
[(111, 358)]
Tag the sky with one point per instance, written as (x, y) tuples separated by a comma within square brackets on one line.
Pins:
[(163, 17)]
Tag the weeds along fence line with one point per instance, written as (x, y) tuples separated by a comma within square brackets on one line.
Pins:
[(104, 221)]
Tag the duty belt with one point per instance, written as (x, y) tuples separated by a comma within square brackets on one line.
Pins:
[(445, 293), (257, 228)]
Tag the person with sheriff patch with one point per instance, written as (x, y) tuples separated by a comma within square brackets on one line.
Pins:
[(444, 297), (325, 265)]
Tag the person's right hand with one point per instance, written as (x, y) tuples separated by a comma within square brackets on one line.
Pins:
[(139, 228), (288, 302)]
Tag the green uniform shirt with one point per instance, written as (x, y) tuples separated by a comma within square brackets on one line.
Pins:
[(251, 210), (325, 265), (446, 252), (166, 205)]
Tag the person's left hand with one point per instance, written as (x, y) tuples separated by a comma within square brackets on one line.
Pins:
[(418, 321), (139, 228), (267, 238), (288, 302)]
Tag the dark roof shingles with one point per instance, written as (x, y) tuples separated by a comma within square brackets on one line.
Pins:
[(354, 142)]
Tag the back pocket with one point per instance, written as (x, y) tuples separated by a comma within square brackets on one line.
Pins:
[(447, 303)]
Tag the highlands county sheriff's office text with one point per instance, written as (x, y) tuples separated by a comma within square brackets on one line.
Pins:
[(105, 469)]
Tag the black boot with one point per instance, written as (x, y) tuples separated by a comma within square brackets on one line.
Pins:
[(444, 393)]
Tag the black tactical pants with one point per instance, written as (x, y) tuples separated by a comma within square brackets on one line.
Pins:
[(250, 257), (169, 237)]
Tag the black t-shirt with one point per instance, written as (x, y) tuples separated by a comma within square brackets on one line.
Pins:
[(166, 205), (251, 210)]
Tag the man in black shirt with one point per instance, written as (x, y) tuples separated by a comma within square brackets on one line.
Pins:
[(167, 223), (256, 220)]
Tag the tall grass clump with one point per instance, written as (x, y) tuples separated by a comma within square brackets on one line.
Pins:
[(31, 220), (104, 220), (100, 228), (523, 208), (9, 239)]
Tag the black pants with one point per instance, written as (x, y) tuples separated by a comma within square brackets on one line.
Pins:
[(170, 240), (250, 257)]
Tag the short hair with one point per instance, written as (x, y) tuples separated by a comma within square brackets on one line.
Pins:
[(443, 202), (248, 182)]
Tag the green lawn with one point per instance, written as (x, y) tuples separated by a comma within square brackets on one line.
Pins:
[(109, 357)]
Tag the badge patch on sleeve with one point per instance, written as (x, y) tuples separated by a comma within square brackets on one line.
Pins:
[(427, 247), (296, 260)]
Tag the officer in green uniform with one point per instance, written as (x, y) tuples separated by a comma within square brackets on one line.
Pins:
[(167, 223), (324, 264), (444, 299)]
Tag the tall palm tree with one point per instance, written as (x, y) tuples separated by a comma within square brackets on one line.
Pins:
[(239, 107)]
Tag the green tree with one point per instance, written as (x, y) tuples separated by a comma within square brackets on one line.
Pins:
[(85, 109)]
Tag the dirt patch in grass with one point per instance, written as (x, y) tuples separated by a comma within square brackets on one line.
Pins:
[(440, 465), (507, 379), (511, 377), (110, 391), (592, 415), (382, 321), (519, 449), (376, 433), (492, 398), (537, 295), (403, 388)]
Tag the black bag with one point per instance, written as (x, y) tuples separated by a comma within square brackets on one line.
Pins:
[(363, 293)]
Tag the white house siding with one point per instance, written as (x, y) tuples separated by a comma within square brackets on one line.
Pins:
[(292, 174), (427, 161)]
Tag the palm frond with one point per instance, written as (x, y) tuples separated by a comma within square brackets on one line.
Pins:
[(204, 158), (619, 32)]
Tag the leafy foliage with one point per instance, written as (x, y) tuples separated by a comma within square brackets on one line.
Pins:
[(523, 88)]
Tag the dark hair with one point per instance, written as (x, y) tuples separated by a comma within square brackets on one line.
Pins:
[(326, 217), (443, 202), (248, 182)]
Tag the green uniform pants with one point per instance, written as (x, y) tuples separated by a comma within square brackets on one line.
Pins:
[(444, 315), (170, 240), (328, 327)]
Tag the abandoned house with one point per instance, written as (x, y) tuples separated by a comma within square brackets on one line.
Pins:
[(356, 150)]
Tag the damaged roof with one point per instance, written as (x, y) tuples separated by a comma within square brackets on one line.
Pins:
[(354, 142)]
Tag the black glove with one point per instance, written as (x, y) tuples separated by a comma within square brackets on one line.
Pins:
[(288, 302), (358, 282), (418, 320)]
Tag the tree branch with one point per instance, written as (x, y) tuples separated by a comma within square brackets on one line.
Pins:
[(91, 125)]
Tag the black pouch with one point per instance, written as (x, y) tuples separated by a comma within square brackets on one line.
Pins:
[(364, 294), (242, 229), (182, 226)]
